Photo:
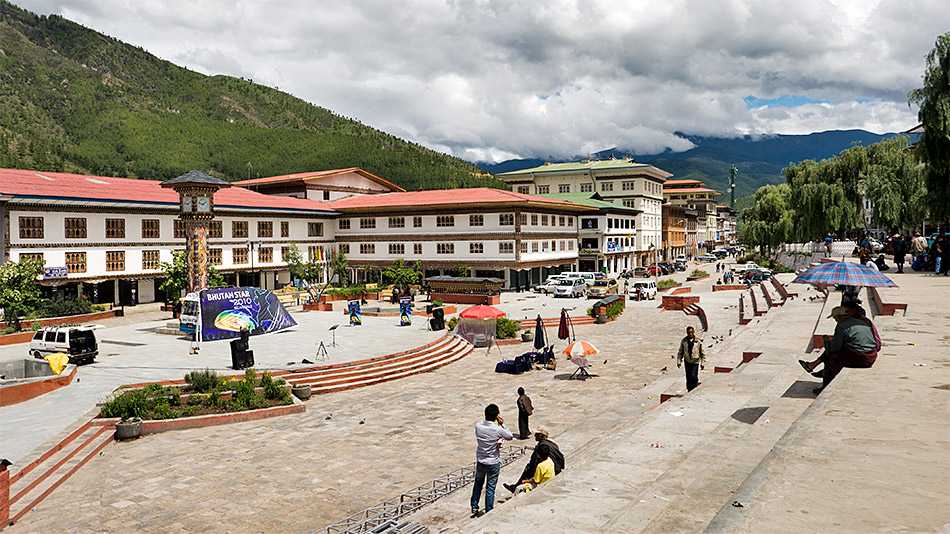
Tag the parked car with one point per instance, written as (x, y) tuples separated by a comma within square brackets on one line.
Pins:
[(642, 290), (78, 342), (548, 286), (641, 272), (707, 258), (720, 253), (654, 270), (680, 265), (681, 258), (752, 276), (667, 267), (602, 288), (571, 287)]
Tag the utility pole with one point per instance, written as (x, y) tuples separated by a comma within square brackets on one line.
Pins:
[(733, 172)]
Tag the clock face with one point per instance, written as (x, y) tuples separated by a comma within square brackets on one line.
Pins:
[(204, 204), (186, 204)]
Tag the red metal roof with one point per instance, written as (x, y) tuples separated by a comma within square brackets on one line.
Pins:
[(475, 195), (691, 190), (29, 183), (682, 182), (304, 176)]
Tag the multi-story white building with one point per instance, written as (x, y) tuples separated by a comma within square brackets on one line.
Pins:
[(696, 196), (106, 237), (494, 233), (608, 238), (630, 184)]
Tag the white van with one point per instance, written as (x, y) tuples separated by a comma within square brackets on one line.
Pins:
[(642, 290), (78, 342), (190, 314), (587, 276)]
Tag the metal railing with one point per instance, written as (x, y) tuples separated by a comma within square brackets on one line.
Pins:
[(390, 510)]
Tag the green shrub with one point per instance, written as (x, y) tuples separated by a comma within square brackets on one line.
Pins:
[(453, 322), (128, 405), (698, 273), (506, 328), (666, 283), (274, 388), (349, 293), (60, 307), (203, 381)]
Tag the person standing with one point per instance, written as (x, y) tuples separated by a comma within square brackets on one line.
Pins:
[(918, 245), (525, 409), (691, 350), (488, 437), (899, 247)]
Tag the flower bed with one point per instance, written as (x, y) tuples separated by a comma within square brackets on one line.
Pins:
[(697, 275)]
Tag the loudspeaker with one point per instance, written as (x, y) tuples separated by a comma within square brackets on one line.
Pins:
[(241, 358), (438, 319)]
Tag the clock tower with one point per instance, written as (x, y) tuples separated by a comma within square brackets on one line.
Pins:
[(196, 195)]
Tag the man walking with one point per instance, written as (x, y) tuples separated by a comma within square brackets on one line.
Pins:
[(691, 350), (525, 409), (488, 437)]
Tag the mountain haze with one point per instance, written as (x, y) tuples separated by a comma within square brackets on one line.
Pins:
[(76, 100)]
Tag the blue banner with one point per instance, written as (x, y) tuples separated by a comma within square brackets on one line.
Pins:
[(356, 314), (405, 311), (226, 311)]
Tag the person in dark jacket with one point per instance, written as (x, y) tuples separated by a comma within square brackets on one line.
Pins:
[(899, 245), (691, 351), (543, 447), (525, 409)]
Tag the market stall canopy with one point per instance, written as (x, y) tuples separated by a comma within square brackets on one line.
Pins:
[(482, 312)]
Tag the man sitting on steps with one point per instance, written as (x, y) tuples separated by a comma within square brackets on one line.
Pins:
[(542, 473), (546, 448), (855, 344)]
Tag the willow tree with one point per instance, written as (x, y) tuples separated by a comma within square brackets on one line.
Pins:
[(893, 180), (825, 195), (934, 113), (769, 221)]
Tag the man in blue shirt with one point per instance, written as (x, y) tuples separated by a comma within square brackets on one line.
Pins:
[(488, 437)]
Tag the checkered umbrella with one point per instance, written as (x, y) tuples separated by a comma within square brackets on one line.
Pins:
[(843, 273)]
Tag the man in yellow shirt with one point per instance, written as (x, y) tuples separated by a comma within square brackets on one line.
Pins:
[(542, 473)]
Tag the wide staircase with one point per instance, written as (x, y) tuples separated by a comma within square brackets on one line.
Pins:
[(32, 483), (671, 467), (360, 373)]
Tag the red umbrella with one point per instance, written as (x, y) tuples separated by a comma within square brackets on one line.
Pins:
[(482, 312)]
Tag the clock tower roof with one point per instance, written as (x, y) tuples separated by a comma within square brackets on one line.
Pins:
[(196, 178)]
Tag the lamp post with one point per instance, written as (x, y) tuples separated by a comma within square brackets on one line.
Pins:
[(196, 196)]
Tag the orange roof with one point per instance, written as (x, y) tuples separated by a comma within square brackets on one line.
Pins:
[(24, 183), (692, 190), (305, 176), (448, 197)]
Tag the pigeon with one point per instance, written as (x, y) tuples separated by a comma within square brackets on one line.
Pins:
[(664, 369)]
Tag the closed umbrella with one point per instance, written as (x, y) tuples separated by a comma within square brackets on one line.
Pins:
[(563, 331), (539, 341)]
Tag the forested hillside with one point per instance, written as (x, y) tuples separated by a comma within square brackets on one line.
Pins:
[(76, 100)]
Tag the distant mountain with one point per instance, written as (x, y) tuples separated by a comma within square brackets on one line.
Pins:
[(760, 159), (76, 100)]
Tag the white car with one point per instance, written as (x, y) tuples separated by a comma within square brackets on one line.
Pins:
[(572, 287), (680, 258), (706, 258), (548, 286), (78, 342), (642, 290)]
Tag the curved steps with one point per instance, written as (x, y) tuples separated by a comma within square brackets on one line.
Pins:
[(361, 373)]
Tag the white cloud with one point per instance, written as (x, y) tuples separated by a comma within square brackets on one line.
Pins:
[(496, 79)]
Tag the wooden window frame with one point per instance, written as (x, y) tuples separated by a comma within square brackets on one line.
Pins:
[(151, 260), (30, 230), (147, 228), (239, 229), (79, 260), (115, 261), (74, 232), (117, 229), (265, 229)]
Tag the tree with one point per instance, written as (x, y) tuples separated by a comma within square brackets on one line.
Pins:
[(769, 221), (461, 270), (894, 182), (401, 275), (175, 273), (934, 113), (340, 267), (19, 292), (310, 272)]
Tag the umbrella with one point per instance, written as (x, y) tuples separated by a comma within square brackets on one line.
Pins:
[(539, 341), (563, 332), (580, 349), (482, 312), (843, 273)]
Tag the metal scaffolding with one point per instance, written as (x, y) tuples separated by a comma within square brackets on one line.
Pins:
[(387, 513)]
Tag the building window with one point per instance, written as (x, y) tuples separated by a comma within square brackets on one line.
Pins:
[(265, 229), (265, 255), (32, 256), (284, 228), (476, 220), (315, 229), (150, 260), (239, 229), (397, 248), (179, 229), (523, 219), (587, 187), (75, 228), (417, 222), (523, 189), (216, 229), (326, 195), (445, 248), (31, 228), (607, 186), (534, 219), (506, 219), (239, 256), (544, 246), (562, 221), (344, 248), (523, 247), (368, 222), (627, 185), (343, 224), (443, 221), (476, 248), (588, 224), (544, 220), (563, 245), (367, 248), (417, 248), (397, 222), (564, 188), (629, 203), (534, 246), (285, 253), (151, 228), (570, 245), (214, 256), (506, 247), (544, 189), (115, 228), (315, 253), (76, 262), (610, 223), (553, 245), (115, 260), (570, 222)]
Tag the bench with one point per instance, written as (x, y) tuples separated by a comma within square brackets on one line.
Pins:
[(879, 299)]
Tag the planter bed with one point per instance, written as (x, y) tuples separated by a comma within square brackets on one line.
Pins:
[(154, 426), (729, 287), (696, 278)]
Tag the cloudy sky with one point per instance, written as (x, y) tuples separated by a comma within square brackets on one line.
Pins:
[(495, 79)]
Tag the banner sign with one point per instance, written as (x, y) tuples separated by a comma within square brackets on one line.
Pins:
[(55, 272), (226, 311), (356, 314), (405, 311)]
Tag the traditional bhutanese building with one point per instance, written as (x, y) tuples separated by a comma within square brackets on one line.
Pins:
[(694, 195)]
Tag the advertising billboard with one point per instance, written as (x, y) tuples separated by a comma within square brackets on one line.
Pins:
[(226, 311)]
